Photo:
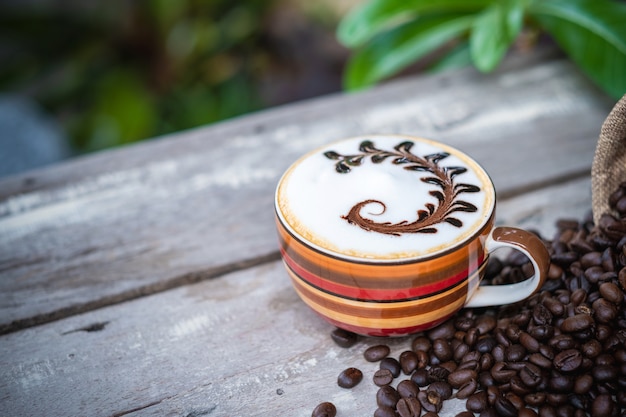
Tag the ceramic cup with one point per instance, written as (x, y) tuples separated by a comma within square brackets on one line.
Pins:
[(387, 235)]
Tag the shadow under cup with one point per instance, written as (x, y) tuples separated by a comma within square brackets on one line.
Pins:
[(389, 287)]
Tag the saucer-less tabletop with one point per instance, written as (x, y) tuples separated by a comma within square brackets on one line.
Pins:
[(146, 280)]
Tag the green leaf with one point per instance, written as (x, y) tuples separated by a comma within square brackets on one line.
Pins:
[(494, 31), (375, 16), (392, 51), (593, 34), (458, 57)]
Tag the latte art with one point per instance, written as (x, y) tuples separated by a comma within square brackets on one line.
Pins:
[(442, 178), (386, 198)]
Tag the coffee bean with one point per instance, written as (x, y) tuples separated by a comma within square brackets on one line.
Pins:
[(604, 311), (556, 399), (486, 344), (442, 349), (460, 351), (421, 377), (500, 373), (577, 323), (349, 378), (471, 336), (504, 407), (561, 383), (408, 361), (476, 402), (409, 407), (530, 343), (486, 361), (603, 373), (489, 412), (467, 389), (443, 389), (527, 412), (343, 338), (530, 375), (430, 414), (540, 360), (383, 377), (562, 342), (547, 411), (541, 315), (603, 406), (465, 414), (421, 343), (611, 293), (583, 384), (568, 361), (485, 323), (535, 399), (443, 331), (515, 353), (376, 353), (392, 365), (516, 400), (461, 377), (438, 373), (385, 412), (387, 396), (407, 388), (590, 259), (325, 409), (430, 401)]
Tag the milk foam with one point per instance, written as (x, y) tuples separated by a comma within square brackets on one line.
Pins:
[(313, 200)]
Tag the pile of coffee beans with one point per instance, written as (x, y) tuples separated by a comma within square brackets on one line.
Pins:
[(560, 353)]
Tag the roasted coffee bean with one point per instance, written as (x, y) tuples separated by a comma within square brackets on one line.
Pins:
[(504, 407), (325, 409), (442, 349), (485, 323), (562, 342), (471, 336), (383, 377), (385, 412), (605, 359), (461, 377), (577, 323), (463, 323), (535, 399), (460, 351), (376, 353), (430, 401), (528, 342), (568, 361), (471, 365), (409, 407), (438, 373), (343, 338), (556, 399), (465, 414), (604, 373), (444, 331), (515, 353), (430, 414), (530, 375), (593, 274), (543, 332), (498, 353), (486, 379), (407, 388), (611, 293), (540, 360), (349, 378), (583, 384), (442, 388), (421, 343), (561, 383), (392, 365), (591, 349), (408, 361), (486, 344), (486, 361), (489, 412), (603, 406), (467, 389), (493, 392), (590, 259), (547, 411), (476, 402), (501, 338), (604, 311), (420, 377), (500, 373), (547, 351), (387, 396), (541, 315), (527, 412), (423, 359)]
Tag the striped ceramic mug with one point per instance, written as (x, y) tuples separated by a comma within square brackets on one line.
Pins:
[(388, 235)]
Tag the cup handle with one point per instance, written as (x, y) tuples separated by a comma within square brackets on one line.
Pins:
[(531, 246)]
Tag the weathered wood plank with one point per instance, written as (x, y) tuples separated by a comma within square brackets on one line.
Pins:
[(124, 223), (238, 345)]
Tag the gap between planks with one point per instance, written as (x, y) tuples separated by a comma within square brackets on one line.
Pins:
[(198, 276)]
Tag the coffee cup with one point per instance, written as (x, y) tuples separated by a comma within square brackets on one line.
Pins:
[(388, 235)]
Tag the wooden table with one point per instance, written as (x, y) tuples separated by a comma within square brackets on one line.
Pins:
[(146, 280)]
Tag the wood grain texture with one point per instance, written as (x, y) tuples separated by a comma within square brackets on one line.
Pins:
[(239, 345), (125, 223)]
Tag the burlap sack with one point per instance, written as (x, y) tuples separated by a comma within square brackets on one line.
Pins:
[(609, 163)]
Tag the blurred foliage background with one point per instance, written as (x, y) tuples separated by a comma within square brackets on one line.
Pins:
[(117, 71)]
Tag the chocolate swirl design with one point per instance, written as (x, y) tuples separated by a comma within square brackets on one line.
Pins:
[(446, 191)]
